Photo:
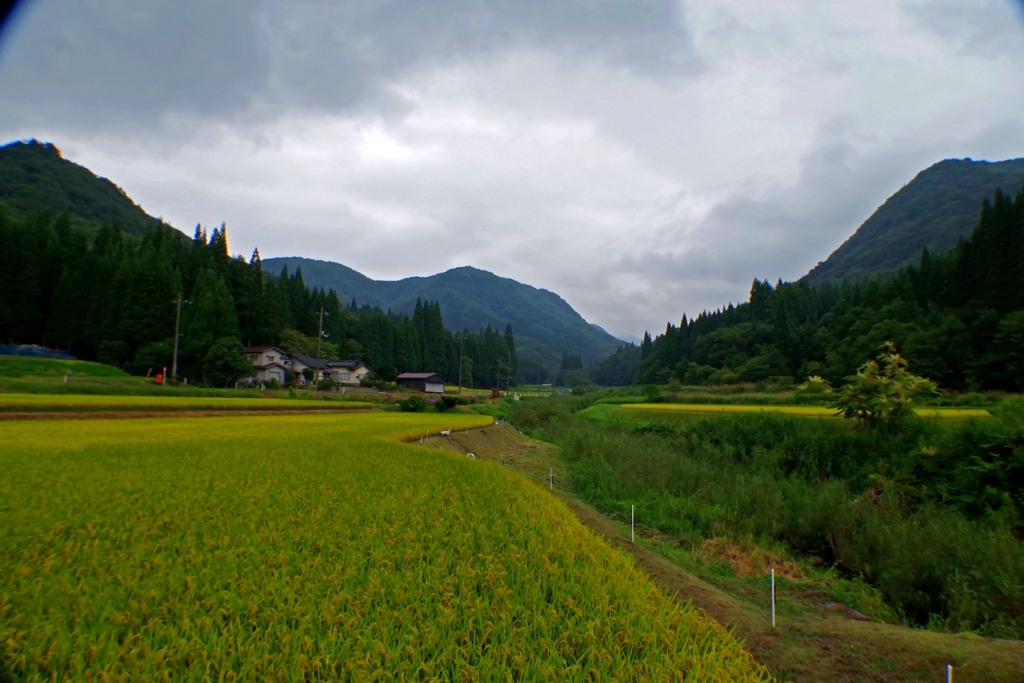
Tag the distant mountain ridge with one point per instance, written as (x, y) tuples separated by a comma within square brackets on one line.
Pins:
[(36, 178), (938, 207), (935, 210), (545, 325)]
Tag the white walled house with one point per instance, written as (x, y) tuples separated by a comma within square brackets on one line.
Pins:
[(273, 363), (347, 372), (270, 362)]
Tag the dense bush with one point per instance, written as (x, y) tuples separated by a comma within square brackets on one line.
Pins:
[(446, 403), (413, 404)]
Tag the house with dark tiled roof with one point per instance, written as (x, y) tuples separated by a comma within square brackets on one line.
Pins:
[(301, 362), (347, 371), (273, 363)]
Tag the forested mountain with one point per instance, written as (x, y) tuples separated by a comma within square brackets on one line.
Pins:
[(546, 326), (114, 298), (84, 269), (958, 318), (49, 204), (35, 177), (933, 211)]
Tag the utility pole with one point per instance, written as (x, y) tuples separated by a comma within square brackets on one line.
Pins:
[(177, 321), (320, 334), (460, 362), (319, 339)]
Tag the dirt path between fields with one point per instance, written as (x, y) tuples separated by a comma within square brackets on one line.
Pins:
[(826, 642)]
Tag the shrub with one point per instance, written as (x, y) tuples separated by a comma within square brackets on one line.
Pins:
[(881, 393), (413, 404), (446, 403), (815, 386)]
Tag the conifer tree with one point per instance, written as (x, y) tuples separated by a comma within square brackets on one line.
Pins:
[(211, 316)]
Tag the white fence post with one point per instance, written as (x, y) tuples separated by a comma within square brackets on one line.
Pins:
[(773, 597)]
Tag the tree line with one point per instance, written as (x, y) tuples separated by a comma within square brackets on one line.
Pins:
[(958, 319), (108, 296)]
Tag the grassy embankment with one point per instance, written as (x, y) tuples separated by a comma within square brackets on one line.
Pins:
[(35, 385), (314, 547)]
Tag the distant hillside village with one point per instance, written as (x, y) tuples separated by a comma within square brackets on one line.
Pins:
[(274, 365)]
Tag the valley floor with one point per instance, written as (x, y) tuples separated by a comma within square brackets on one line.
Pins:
[(817, 640)]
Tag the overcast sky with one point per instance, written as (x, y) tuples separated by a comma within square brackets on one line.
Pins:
[(642, 158)]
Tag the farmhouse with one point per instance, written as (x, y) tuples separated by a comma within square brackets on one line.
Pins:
[(273, 363), (301, 362), (347, 371), (429, 382)]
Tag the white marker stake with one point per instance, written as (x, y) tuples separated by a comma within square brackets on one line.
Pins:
[(773, 597), (551, 478), (949, 673), (632, 525)]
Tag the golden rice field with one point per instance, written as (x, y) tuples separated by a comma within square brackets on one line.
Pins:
[(314, 547), (97, 403), (803, 411)]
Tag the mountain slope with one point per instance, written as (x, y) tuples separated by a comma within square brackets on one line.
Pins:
[(934, 210), (545, 326), (35, 177)]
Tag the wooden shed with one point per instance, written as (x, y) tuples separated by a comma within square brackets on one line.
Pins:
[(429, 382)]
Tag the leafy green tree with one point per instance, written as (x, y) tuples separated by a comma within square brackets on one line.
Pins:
[(882, 392), (153, 356), (225, 363), (113, 352), (1005, 359), (293, 341)]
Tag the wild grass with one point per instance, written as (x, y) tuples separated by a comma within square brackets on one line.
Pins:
[(926, 514)]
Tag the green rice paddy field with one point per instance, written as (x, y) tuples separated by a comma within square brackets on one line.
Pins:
[(803, 411), (314, 547), (77, 403)]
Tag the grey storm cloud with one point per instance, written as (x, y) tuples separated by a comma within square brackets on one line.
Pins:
[(643, 159), (128, 63), (111, 64)]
